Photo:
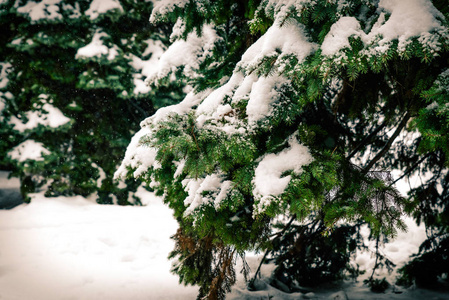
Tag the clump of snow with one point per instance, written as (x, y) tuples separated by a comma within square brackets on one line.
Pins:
[(45, 9), (179, 167), (28, 150), (181, 108), (268, 181), (4, 67), (263, 94), (48, 115), (98, 7), (280, 9), (211, 103), (407, 19), (102, 174), (147, 67), (261, 91), (340, 31), (281, 41), (2, 105), (189, 53), (164, 7), (178, 30), (141, 157), (96, 48), (215, 185), (74, 11), (137, 156)]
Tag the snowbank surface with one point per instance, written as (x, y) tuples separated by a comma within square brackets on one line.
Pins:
[(72, 248)]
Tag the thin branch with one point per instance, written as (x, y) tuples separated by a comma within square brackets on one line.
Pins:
[(412, 168), (366, 140), (279, 234), (388, 144), (142, 111), (251, 283), (377, 258)]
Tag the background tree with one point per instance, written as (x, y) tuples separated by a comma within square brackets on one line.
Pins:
[(299, 111), (72, 92)]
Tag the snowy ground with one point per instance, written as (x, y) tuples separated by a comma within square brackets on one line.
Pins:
[(72, 248)]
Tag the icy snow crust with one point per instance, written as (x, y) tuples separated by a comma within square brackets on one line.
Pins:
[(215, 109)]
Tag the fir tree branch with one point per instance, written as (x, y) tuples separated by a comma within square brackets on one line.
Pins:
[(366, 140), (409, 170), (278, 235), (388, 144)]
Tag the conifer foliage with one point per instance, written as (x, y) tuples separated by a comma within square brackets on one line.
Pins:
[(72, 92), (297, 110)]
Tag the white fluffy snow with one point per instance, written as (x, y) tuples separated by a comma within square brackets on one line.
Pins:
[(288, 39), (137, 156), (48, 115), (407, 19), (264, 92), (98, 7), (146, 67), (163, 7), (96, 48), (29, 149), (187, 53), (213, 184), (4, 74), (72, 248), (268, 181), (340, 31), (45, 9), (211, 103)]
